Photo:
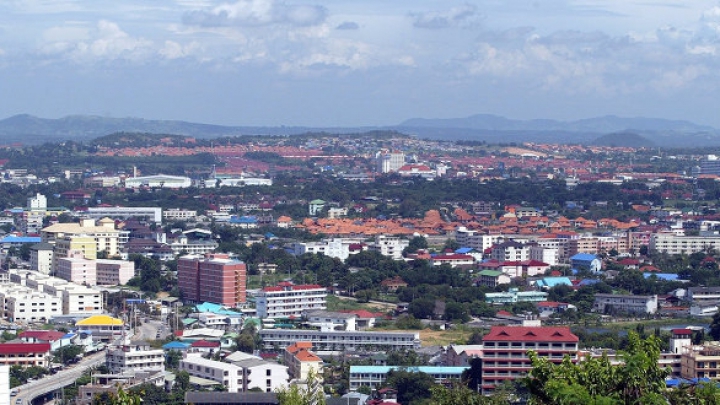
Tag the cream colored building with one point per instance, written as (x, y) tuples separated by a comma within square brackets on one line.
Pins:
[(103, 232)]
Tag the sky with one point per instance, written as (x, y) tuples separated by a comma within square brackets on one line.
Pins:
[(361, 62)]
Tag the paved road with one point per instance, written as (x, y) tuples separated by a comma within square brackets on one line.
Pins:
[(28, 392)]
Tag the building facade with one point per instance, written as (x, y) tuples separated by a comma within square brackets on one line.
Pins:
[(214, 278), (287, 300)]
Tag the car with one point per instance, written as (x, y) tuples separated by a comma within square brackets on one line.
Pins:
[(13, 393), (18, 401)]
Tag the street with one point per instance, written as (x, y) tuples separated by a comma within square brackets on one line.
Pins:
[(34, 389)]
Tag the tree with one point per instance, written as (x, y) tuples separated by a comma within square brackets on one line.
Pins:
[(416, 243), (294, 395), (67, 354), (411, 387), (637, 380)]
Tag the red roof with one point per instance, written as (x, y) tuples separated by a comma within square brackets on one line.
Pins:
[(682, 332), (530, 334), (24, 348), (204, 343), (47, 335)]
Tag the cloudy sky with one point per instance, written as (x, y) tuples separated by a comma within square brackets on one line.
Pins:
[(359, 62)]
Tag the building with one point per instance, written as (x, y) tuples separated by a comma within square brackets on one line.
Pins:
[(239, 376), (177, 214), (374, 376), (491, 278), (586, 261), (337, 248), (475, 240), (702, 296), (315, 207), (505, 350), (460, 355), (27, 305), (41, 257), (114, 272), (76, 268), (25, 354), (104, 234), (389, 161), (287, 300), (158, 181), (214, 278), (389, 246), (702, 361), (326, 320), (229, 398), (625, 304), (513, 295), (675, 245), (340, 340), (103, 328), (510, 251), (153, 214), (134, 356), (301, 361)]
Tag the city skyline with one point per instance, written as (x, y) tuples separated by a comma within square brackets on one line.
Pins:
[(347, 63)]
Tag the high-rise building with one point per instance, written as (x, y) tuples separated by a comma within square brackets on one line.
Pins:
[(389, 162), (213, 278)]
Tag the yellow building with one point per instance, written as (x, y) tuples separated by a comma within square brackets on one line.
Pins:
[(104, 233), (102, 327), (76, 243)]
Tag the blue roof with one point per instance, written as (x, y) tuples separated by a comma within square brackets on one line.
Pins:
[(663, 276), (584, 256), (215, 309), (175, 345), (421, 369), (588, 281), (243, 219), (464, 250), (21, 239), (554, 281)]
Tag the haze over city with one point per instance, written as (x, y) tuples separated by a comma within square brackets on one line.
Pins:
[(345, 63)]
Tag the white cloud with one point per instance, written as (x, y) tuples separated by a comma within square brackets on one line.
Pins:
[(256, 13), (106, 41), (456, 16), (174, 50)]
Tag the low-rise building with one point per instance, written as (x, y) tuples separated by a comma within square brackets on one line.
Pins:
[(630, 304), (301, 361), (341, 340), (374, 376), (103, 328), (25, 354), (135, 355), (327, 320), (287, 300)]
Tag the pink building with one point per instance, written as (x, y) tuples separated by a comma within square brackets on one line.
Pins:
[(76, 268), (214, 278), (114, 272)]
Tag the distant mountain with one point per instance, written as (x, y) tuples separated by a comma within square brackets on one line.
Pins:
[(606, 124), (623, 139), (28, 129)]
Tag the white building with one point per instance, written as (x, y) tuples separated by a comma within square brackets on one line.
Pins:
[(134, 356), (239, 376), (475, 240), (341, 340), (27, 305), (549, 256), (41, 257), (37, 203), (389, 246), (158, 181), (338, 247), (510, 251), (616, 303), (326, 320), (388, 162), (675, 245), (286, 300), (153, 214), (177, 214)]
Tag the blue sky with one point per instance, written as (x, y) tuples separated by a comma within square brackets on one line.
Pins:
[(370, 62)]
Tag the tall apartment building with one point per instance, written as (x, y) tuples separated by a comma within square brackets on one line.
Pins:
[(214, 278), (104, 234), (505, 351), (285, 300), (41, 257), (511, 251), (76, 268), (388, 162), (475, 240)]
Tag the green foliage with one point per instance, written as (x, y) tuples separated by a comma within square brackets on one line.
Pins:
[(412, 387), (637, 380), (67, 354), (294, 395)]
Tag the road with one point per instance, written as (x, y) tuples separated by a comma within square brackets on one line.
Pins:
[(28, 392)]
